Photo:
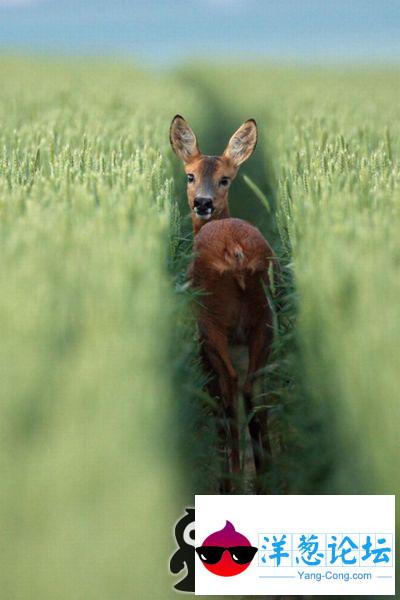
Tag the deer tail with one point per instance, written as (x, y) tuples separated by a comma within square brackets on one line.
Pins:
[(239, 273), (238, 263)]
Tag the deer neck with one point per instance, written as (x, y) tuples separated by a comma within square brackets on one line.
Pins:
[(199, 223)]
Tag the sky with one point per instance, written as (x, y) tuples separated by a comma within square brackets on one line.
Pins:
[(175, 31)]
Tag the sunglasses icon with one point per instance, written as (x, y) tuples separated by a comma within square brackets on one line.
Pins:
[(241, 555)]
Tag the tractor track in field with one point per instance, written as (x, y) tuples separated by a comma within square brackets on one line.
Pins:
[(218, 126)]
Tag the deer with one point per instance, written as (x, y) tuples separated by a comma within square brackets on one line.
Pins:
[(232, 266)]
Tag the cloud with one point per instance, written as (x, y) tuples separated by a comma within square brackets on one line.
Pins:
[(234, 5), (12, 3)]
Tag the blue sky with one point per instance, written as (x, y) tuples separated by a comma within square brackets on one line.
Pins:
[(170, 31)]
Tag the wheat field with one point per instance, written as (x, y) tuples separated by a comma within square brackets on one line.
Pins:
[(106, 433)]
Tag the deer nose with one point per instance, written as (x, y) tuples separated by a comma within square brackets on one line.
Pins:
[(203, 205)]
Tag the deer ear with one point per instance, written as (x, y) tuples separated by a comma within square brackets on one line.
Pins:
[(243, 142), (183, 140)]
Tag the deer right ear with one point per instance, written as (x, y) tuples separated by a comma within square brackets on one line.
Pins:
[(183, 140), (243, 142)]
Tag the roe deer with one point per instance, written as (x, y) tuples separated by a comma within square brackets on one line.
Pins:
[(232, 266)]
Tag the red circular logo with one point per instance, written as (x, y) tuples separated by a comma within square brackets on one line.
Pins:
[(226, 552)]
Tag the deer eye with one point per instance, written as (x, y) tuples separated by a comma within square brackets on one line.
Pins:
[(190, 177), (224, 181)]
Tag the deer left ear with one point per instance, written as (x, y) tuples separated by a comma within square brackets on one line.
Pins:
[(183, 140), (243, 142)]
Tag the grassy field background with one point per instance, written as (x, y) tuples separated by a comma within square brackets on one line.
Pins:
[(105, 433)]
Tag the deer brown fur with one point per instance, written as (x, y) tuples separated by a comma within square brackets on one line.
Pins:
[(231, 267)]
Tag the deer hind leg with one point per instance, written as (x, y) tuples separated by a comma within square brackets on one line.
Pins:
[(213, 388), (259, 348), (212, 384), (215, 349)]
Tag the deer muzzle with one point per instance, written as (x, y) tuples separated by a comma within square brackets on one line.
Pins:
[(203, 207)]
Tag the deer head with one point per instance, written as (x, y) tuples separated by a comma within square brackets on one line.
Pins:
[(209, 177)]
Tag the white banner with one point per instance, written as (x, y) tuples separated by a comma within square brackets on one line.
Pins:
[(295, 545)]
